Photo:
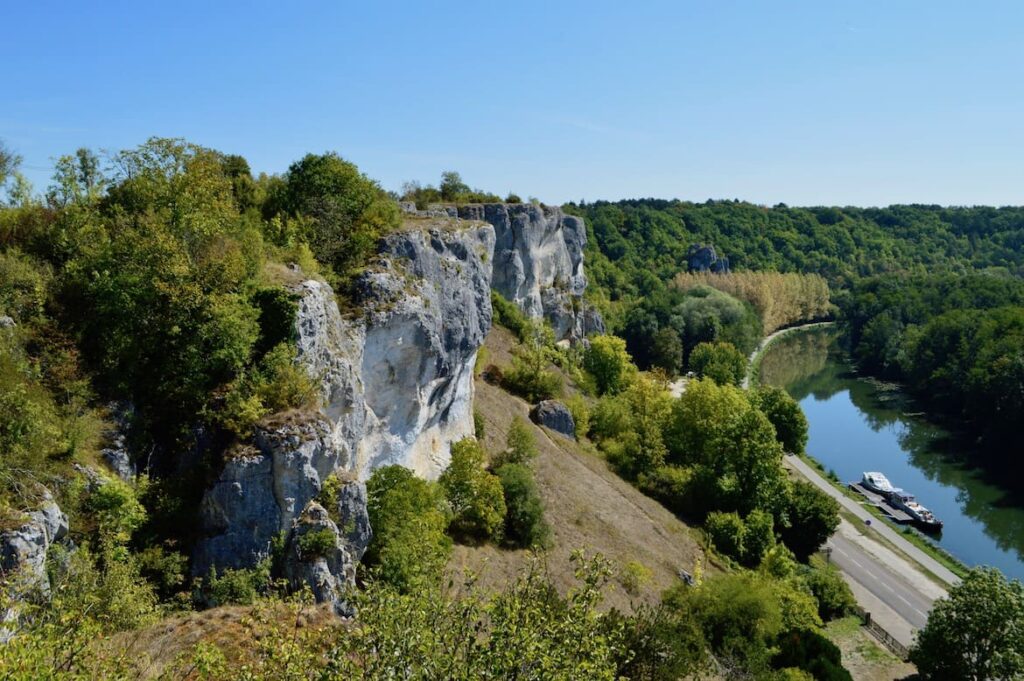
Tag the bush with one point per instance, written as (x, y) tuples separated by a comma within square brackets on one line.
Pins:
[(318, 543), (530, 379), (758, 537), (813, 517), (833, 594), (785, 414), (580, 411), (672, 486), (409, 517), (508, 314), (810, 651), (479, 425), (634, 576), (521, 444), (727, 532), (607, 361), (234, 587), (475, 496), (524, 519), (721, 362)]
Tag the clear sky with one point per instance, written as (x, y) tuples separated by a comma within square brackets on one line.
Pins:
[(815, 102)]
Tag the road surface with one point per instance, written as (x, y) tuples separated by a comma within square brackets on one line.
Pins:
[(904, 598)]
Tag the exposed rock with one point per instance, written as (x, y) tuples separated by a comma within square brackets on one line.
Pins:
[(538, 262), (554, 415), (353, 518), (397, 383), (704, 259), (593, 322), (317, 556), (116, 452), (261, 491), (6, 322), (23, 549)]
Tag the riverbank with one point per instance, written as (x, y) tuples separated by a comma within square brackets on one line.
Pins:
[(754, 361)]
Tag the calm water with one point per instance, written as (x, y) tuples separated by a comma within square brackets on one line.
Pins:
[(858, 425)]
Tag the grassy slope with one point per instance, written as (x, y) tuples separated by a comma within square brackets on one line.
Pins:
[(587, 505)]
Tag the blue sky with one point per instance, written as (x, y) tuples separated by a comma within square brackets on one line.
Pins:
[(859, 103)]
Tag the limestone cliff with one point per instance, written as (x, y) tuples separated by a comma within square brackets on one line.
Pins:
[(538, 261), (396, 388)]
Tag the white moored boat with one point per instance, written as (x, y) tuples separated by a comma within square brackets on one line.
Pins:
[(877, 483)]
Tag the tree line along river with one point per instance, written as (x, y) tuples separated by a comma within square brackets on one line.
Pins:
[(857, 424)]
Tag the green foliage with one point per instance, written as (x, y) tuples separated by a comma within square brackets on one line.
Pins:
[(634, 576), (661, 644), (521, 445), (812, 652), (608, 362), (479, 424), (785, 415), (667, 350), (277, 383), (117, 510), (346, 212), (451, 190), (234, 587), (508, 314), (746, 540), (475, 496), (318, 543), (529, 375), (977, 632), (833, 594), (580, 411), (758, 536), (813, 516), (524, 520), (165, 569), (409, 517), (716, 429), (721, 362)]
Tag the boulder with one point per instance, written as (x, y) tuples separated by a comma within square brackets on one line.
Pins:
[(6, 322), (702, 258), (554, 415), (116, 453)]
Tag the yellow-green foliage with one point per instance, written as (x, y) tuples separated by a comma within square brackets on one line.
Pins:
[(779, 299), (633, 576), (580, 411), (278, 383), (475, 496), (521, 446)]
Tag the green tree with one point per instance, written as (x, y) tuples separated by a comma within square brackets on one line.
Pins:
[(347, 210), (813, 516), (524, 521), (976, 632), (786, 415), (475, 496), (530, 376), (452, 187), (608, 362), (9, 162), (409, 517), (667, 350), (521, 445), (721, 362)]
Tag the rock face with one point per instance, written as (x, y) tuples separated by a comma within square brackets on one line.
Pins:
[(23, 549), (554, 415), (396, 388), (317, 555), (116, 452), (704, 259), (538, 263)]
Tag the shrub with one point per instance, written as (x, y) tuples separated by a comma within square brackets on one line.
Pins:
[(409, 517), (475, 496), (521, 444), (813, 517), (508, 314), (634, 576), (479, 425), (524, 519), (608, 362), (719, 361), (530, 379), (234, 587), (758, 537), (672, 486), (727, 532), (830, 590), (810, 651), (580, 411), (318, 543)]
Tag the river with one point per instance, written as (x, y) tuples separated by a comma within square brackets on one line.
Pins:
[(857, 425)]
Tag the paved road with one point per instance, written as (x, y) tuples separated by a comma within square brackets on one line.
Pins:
[(890, 588), (879, 526)]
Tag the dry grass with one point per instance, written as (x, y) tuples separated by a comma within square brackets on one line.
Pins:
[(863, 656), (587, 505), (156, 649)]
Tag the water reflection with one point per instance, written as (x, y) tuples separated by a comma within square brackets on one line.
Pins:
[(858, 424)]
